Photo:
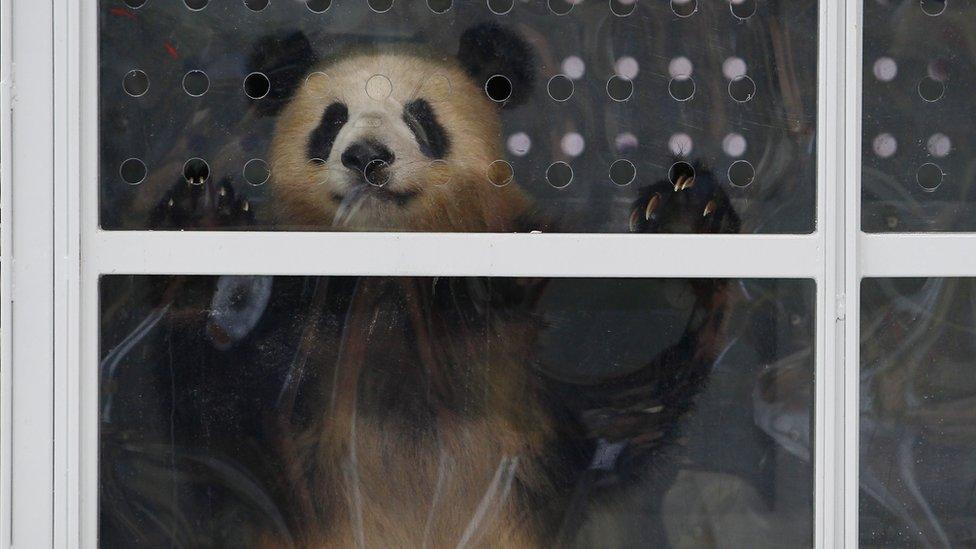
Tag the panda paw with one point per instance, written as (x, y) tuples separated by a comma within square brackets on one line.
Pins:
[(197, 202), (692, 201)]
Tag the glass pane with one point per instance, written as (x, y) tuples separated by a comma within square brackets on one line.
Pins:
[(917, 128), (918, 412), (456, 412), (458, 115)]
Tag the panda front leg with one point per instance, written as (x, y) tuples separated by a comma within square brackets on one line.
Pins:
[(198, 202), (690, 201)]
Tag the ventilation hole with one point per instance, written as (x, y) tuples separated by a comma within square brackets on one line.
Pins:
[(930, 89), (519, 144), (682, 88), (734, 145), (680, 67), (734, 67), (439, 6), (684, 8), (620, 88), (742, 89), (256, 172), (627, 66), (680, 171), (934, 7), (626, 142), (317, 80), (623, 8), (498, 88), (133, 171), (572, 144), (196, 5), (680, 144), (501, 7), (560, 7), (196, 83), (256, 5), (741, 173), (561, 87), (196, 171), (380, 6), (318, 6), (376, 172), (743, 9), (135, 83), (379, 87), (500, 173), (884, 145), (440, 173), (885, 69), (939, 145), (574, 67), (929, 177), (623, 172), (559, 174), (135, 4), (257, 85)]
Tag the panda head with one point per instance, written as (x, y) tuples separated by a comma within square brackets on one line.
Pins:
[(393, 139)]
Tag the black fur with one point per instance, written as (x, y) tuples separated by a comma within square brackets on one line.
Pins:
[(431, 136), (489, 49), (285, 61), (320, 142), (484, 51)]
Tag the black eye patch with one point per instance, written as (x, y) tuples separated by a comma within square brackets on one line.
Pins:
[(320, 143), (422, 121)]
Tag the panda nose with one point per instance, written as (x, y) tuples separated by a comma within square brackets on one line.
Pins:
[(364, 156)]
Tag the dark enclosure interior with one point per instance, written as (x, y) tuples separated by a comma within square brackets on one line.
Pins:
[(696, 397)]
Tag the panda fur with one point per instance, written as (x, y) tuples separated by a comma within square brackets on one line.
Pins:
[(433, 427), (415, 413), (425, 120)]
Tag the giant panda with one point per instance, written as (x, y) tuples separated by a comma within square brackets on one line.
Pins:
[(394, 138), (416, 413)]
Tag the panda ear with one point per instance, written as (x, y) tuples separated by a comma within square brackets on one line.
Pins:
[(489, 49), (285, 60)]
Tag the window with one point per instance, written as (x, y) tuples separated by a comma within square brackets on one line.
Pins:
[(623, 273)]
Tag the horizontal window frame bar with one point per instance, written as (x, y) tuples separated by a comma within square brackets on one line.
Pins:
[(424, 254), (917, 255)]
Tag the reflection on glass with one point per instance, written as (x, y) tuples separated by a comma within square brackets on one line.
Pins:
[(917, 105), (918, 413), (411, 412), (558, 96)]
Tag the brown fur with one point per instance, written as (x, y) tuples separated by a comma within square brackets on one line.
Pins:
[(364, 476), (367, 477), (467, 201)]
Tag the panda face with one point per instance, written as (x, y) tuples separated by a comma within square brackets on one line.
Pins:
[(386, 141)]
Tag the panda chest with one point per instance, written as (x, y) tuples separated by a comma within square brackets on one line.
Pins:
[(459, 491)]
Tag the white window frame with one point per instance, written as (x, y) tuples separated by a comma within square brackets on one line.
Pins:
[(53, 253)]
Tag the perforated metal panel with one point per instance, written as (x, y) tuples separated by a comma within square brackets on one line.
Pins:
[(622, 92), (918, 116)]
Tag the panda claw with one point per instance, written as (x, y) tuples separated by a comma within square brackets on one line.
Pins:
[(652, 205), (709, 208), (634, 220), (663, 208)]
